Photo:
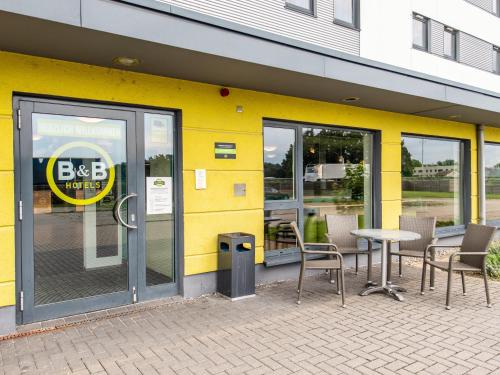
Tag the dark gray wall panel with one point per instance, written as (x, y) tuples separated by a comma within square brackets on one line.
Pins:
[(484, 4), (67, 11), (436, 42), (475, 52)]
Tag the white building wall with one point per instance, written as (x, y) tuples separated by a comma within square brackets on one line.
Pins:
[(386, 32), (386, 36)]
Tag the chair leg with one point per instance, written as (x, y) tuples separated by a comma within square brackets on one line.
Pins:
[(448, 289), (331, 277), (343, 286), (486, 287), (433, 271), (463, 283), (389, 267), (424, 270), (301, 279), (400, 266), (357, 264), (338, 281), (370, 261)]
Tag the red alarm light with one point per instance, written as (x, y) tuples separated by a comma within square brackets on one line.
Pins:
[(224, 92)]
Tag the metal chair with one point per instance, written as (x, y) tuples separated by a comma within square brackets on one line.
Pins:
[(473, 252), (426, 227), (334, 262), (339, 232)]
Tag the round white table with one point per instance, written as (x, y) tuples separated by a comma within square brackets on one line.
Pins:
[(385, 236)]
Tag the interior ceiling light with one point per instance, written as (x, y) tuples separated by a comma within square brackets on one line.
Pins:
[(350, 99), (270, 148), (126, 61)]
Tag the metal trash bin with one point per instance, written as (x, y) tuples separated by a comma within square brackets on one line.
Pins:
[(236, 265)]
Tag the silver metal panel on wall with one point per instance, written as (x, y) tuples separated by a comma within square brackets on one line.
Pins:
[(272, 16), (484, 4), (436, 39), (475, 52)]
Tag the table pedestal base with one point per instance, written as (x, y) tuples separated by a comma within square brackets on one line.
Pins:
[(390, 290)]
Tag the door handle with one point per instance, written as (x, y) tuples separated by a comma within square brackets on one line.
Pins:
[(117, 211)]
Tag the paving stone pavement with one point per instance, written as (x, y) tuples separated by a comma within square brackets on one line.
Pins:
[(271, 334)]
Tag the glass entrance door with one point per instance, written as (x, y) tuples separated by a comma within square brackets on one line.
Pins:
[(79, 246), (98, 224)]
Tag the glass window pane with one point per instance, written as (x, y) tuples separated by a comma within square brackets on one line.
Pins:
[(159, 168), (344, 11), (492, 164), (496, 60), (279, 164), (79, 172), (449, 43), (277, 233), (420, 33), (432, 179), (306, 4), (337, 178)]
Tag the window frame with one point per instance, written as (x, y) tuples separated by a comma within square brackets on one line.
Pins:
[(465, 183), (454, 47), (496, 59), (495, 222), (298, 202), (425, 21), (297, 8), (355, 24)]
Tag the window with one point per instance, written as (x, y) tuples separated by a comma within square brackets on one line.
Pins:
[(450, 43), (437, 193), (336, 167), (304, 6), (346, 13), (496, 59), (492, 173), (496, 7), (310, 171), (420, 32), (279, 164)]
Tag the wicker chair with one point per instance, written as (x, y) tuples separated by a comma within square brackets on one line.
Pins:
[(339, 232), (333, 262), (473, 252), (426, 227)]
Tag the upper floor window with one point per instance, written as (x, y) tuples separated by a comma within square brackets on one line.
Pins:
[(450, 43), (496, 7), (304, 6), (496, 59), (346, 13), (420, 32)]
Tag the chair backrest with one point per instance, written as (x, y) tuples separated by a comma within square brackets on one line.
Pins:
[(477, 238), (339, 228), (425, 226), (300, 241)]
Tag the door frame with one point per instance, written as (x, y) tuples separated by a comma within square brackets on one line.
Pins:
[(144, 293)]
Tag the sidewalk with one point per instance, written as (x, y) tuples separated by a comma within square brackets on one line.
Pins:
[(271, 334)]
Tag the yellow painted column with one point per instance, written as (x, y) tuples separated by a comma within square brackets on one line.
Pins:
[(391, 178), (7, 246)]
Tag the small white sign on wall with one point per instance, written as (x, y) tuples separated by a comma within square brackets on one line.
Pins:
[(159, 195), (200, 176)]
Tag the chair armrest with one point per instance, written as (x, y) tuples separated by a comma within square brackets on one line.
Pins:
[(325, 244), (325, 252)]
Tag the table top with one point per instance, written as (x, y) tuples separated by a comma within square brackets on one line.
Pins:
[(386, 234)]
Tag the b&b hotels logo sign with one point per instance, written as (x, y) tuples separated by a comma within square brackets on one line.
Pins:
[(71, 176)]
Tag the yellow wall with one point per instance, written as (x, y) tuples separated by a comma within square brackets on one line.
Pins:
[(207, 118)]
